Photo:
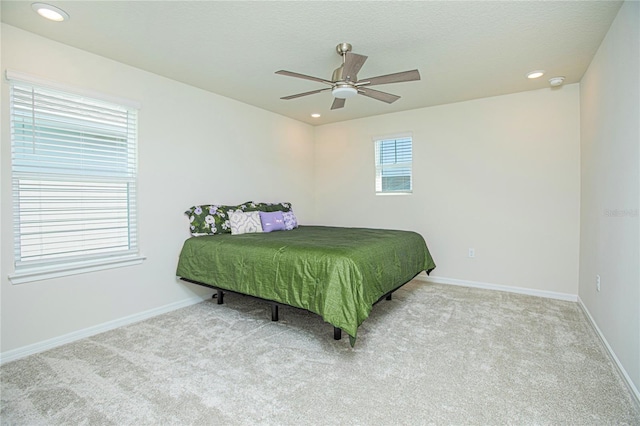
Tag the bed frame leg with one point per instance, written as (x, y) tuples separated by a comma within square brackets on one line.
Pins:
[(389, 296), (274, 312), (220, 296), (337, 333)]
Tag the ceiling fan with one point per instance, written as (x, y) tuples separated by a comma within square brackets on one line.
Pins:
[(345, 84)]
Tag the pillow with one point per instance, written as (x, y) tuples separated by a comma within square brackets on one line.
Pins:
[(244, 222), (213, 219), (290, 221), (246, 207), (209, 219), (250, 206), (267, 207), (272, 221)]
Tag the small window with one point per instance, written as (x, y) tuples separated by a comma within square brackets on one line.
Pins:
[(74, 182), (394, 157)]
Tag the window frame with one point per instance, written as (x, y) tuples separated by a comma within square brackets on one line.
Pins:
[(379, 168), (42, 269)]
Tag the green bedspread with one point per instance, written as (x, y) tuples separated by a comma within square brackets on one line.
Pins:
[(338, 273)]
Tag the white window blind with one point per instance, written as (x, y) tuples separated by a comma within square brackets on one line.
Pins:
[(73, 178), (394, 157)]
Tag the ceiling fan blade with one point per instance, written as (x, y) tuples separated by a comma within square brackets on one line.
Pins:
[(337, 103), (306, 77), (390, 78), (352, 64), (299, 95), (376, 94)]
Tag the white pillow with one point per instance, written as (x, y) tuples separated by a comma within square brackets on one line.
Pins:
[(244, 222)]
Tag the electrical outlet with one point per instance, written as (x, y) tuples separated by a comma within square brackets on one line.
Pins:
[(598, 282), (472, 252)]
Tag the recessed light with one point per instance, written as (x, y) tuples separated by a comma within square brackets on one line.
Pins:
[(535, 74), (50, 12), (315, 115)]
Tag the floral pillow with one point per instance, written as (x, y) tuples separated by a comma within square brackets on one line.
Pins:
[(247, 206), (244, 222), (210, 219), (267, 207), (290, 221)]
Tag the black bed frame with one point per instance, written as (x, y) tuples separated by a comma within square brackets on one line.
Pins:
[(337, 332)]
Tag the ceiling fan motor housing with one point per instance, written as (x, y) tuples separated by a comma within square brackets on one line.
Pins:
[(338, 75)]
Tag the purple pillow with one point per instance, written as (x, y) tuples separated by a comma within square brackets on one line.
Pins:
[(272, 221)]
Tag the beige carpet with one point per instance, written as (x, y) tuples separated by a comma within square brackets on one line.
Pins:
[(435, 354)]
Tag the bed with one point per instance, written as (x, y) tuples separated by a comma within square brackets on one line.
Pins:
[(337, 273)]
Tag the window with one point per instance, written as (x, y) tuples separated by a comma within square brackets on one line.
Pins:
[(73, 182), (393, 165)]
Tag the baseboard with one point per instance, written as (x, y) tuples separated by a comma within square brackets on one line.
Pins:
[(632, 387), (24, 351), (498, 287)]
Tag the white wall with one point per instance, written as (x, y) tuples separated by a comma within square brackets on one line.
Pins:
[(194, 147), (610, 170), (500, 175)]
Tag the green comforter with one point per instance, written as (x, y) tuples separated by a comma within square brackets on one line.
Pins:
[(338, 273)]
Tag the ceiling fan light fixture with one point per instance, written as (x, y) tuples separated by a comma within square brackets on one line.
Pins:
[(344, 91), (50, 12)]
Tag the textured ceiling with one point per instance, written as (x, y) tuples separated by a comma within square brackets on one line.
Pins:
[(463, 50)]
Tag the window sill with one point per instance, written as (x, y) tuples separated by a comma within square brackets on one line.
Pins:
[(26, 275), (394, 193)]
